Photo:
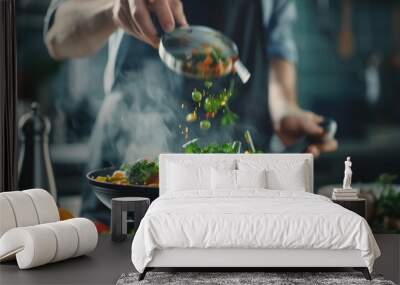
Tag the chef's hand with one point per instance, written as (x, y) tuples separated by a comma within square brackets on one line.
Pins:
[(133, 16), (299, 123)]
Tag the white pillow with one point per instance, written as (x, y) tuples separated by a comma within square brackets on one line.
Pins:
[(278, 180), (181, 177), (223, 179), (251, 178), (281, 174), (226, 179)]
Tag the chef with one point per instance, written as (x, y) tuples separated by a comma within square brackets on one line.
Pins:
[(144, 99)]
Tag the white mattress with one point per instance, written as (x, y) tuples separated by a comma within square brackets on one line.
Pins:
[(252, 219)]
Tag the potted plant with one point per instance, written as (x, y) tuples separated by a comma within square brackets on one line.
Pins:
[(389, 202)]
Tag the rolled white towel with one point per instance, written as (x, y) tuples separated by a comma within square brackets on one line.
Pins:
[(66, 238), (33, 246), (26, 208), (37, 245), (7, 218), (23, 208), (45, 205), (87, 234)]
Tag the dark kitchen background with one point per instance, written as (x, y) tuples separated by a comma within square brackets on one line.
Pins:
[(349, 69)]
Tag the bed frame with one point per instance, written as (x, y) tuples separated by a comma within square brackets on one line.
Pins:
[(246, 259)]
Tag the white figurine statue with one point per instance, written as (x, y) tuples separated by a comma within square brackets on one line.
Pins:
[(347, 174)]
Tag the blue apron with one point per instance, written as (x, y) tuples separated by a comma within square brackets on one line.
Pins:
[(142, 111)]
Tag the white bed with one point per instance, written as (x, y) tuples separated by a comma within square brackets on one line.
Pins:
[(250, 227)]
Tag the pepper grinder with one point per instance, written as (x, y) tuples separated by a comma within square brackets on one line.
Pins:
[(34, 165)]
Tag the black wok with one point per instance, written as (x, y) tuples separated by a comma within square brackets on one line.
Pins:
[(105, 191)]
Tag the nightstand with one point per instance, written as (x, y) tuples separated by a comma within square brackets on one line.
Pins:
[(358, 206), (119, 215)]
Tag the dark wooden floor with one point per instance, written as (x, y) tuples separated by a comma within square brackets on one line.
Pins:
[(103, 266)]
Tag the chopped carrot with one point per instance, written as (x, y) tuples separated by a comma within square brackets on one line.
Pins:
[(219, 69), (208, 60)]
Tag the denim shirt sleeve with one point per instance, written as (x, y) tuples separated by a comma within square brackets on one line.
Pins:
[(279, 17), (49, 18)]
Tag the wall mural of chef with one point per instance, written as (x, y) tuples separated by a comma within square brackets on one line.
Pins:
[(144, 99), (125, 80)]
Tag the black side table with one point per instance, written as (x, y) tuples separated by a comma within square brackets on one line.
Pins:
[(358, 206), (119, 214)]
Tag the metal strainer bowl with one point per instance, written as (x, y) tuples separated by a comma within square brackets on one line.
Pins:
[(176, 51)]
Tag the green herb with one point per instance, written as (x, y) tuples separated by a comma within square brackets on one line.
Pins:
[(228, 118), (140, 172), (194, 147), (208, 84)]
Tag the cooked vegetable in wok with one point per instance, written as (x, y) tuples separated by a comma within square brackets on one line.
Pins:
[(118, 177), (143, 172)]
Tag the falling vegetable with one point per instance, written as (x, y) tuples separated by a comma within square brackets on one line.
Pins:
[(205, 125), (208, 105), (196, 96), (208, 84), (211, 105), (191, 117), (210, 115)]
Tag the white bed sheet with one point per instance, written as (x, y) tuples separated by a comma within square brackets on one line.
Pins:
[(252, 218)]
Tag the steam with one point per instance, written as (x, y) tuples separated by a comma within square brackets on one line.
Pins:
[(141, 120), (148, 114)]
